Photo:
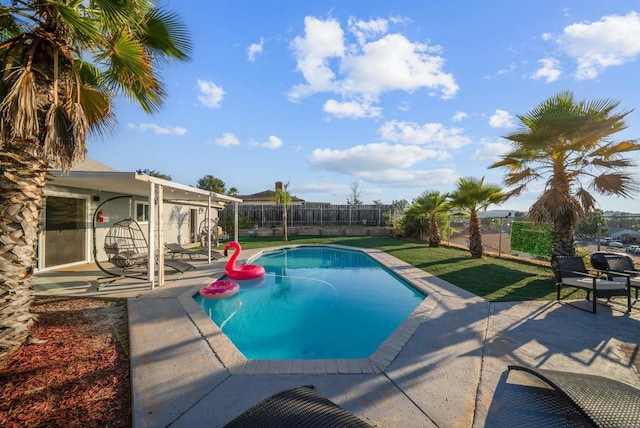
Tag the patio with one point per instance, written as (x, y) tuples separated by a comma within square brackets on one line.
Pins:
[(446, 366)]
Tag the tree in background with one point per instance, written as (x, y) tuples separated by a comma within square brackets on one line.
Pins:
[(154, 173), (232, 191), (395, 216), (212, 184), (354, 198), (566, 143), (429, 205), (472, 196), (62, 63), (594, 227), (282, 196)]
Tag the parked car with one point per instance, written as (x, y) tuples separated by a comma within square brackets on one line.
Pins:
[(615, 244), (633, 249)]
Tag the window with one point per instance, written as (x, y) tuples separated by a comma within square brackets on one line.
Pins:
[(142, 211)]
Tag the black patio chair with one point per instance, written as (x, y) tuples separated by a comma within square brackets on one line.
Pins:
[(570, 271), (602, 401), (617, 267), (295, 408)]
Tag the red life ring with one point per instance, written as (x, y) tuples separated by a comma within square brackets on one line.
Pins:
[(220, 289)]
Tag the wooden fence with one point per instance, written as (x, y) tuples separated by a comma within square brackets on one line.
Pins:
[(270, 216)]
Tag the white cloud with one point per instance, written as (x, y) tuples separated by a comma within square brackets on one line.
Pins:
[(322, 40), (351, 109), (550, 70), (367, 30), (430, 134), (374, 157), (383, 163), (597, 45), (546, 36), (227, 140), (394, 63), (210, 94), (459, 116), (415, 179), (491, 151), (157, 129), (501, 119), (376, 62), (272, 143), (255, 49)]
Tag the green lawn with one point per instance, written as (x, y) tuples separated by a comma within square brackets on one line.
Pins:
[(497, 280)]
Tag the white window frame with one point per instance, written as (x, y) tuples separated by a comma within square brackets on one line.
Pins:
[(145, 212)]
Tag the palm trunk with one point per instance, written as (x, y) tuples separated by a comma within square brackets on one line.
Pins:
[(475, 237), (563, 231), (284, 225), (434, 233), (22, 180)]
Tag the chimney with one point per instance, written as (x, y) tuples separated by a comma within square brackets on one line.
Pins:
[(278, 185)]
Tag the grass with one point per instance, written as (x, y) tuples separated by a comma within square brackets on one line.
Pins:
[(494, 279)]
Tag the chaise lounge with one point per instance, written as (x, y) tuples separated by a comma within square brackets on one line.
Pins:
[(175, 249)]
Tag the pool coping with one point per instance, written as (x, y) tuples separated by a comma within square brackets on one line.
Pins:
[(236, 363)]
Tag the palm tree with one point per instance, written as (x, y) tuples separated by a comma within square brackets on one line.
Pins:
[(472, 195), (282, 196), (566, 143), (430, 204), (61, 64)]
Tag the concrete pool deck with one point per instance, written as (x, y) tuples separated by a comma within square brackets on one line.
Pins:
[(446, 366)]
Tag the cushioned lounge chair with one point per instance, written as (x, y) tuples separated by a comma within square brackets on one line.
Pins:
[(617, 267), (602, 401), (177, 249), (296, 408), (570, 271)]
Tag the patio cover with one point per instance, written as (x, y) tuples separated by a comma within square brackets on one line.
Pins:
[(157, 190)]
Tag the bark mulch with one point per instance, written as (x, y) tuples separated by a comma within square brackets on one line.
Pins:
[(79, 377)]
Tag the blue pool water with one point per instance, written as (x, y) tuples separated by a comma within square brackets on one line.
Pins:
[(314, 303)]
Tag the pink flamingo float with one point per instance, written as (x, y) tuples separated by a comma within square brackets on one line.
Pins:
[(235, 271)]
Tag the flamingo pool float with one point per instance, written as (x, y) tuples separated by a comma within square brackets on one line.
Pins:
[(234, 271)]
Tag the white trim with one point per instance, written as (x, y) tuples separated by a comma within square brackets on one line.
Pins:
[(88, 235)]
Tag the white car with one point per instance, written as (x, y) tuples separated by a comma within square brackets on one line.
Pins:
[(633, 249), (615, 244)]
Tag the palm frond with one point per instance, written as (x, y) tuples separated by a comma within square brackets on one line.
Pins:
[(615, 184), (166, 36), (20, 104)]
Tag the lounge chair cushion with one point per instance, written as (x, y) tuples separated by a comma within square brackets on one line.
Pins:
[(587, 283)]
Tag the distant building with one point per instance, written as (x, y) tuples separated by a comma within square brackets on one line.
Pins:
[(267, 197)]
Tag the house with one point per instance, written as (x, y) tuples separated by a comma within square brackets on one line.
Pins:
[(267, 197), (81, 206)]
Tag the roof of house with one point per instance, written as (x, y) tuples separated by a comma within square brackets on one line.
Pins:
[(265, 196), (89, 164)]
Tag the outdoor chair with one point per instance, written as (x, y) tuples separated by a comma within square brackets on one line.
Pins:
[(617, 267), (570, 271), (295, 408), (177, 249), (602, 401)]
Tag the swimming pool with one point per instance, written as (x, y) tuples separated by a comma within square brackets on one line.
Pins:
[(314, 303)]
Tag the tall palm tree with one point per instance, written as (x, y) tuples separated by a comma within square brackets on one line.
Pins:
[(282, 196), (61, 64), (566, 144), (472, 195), (429, 205)]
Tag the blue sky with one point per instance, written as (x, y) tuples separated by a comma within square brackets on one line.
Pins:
[(399, 97)]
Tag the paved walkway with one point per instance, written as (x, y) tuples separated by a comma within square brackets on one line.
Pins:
[(446, 366)]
